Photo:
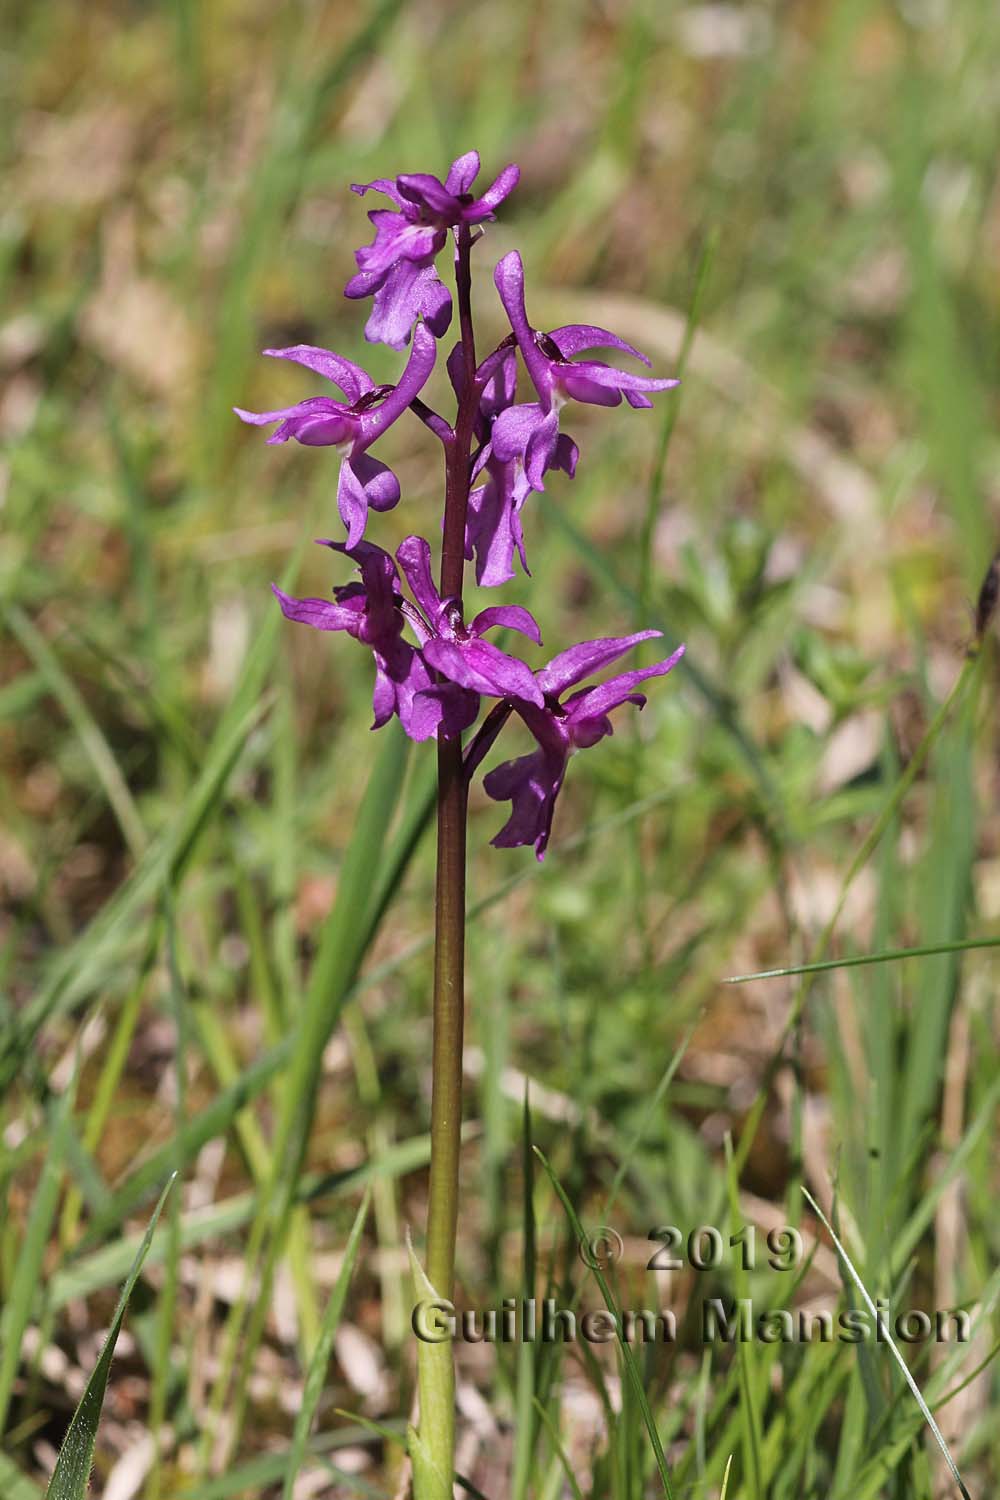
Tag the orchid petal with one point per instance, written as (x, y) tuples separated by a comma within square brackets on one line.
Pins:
[(531, 784), (489, 366), (414, 377), (500, 188), (622, 380), (430, 194), (588, 731), (383, 622), (379, 185), (462, 173), (581, 388), (414, 557), (317, 422), (351, 378), (513, 429), (383, 698), (500, 388), (596, 701), (401, 670), (407, 290), (540, 452), (509, 279), (484, 668), (445, 707), (493, 528), (397, 239), (262, 418), (576, 663), (352, 503), (573, 338), (510, 617), (566, 455), (455, 366), (321, 614), (435, 304), (363, 284)]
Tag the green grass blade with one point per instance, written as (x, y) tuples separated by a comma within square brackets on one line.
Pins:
[(83, 964), (715, 697), (558, 1449), (94, 744), (256, 1475), (316, 1375), (890, 955), (71, 1476), (107, 1265), (361, 900), (671, 411), (21, 1293), (900, 1361), (628, 1359), (212, 1121), (749, 1378), (946, 888), (13, 1484), (525, 1399), (886, 817), (163, 1367)]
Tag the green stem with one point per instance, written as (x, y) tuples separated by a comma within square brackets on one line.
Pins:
[(449, 926), (433, 1448), (449, 1010)]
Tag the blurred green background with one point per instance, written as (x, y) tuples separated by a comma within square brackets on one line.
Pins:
[(812, 513)]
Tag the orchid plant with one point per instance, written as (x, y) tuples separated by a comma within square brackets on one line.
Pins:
[(432, 668)]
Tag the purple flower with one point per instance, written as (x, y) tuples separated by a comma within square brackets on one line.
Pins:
[(375, 612), (458, 651), (371, 611), (398, 266), (350, 426), (531, 431), (532, 782), (493, 527)]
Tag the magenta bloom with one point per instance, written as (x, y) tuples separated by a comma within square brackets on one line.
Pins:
[(432, 670), (493, 528), (351, 425), (532, 782), (530, 432), (371, 612), (458, 651), (375, 612), (398, 266)]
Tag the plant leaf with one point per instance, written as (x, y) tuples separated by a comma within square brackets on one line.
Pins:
[(316, 1375), (71, 1475)]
